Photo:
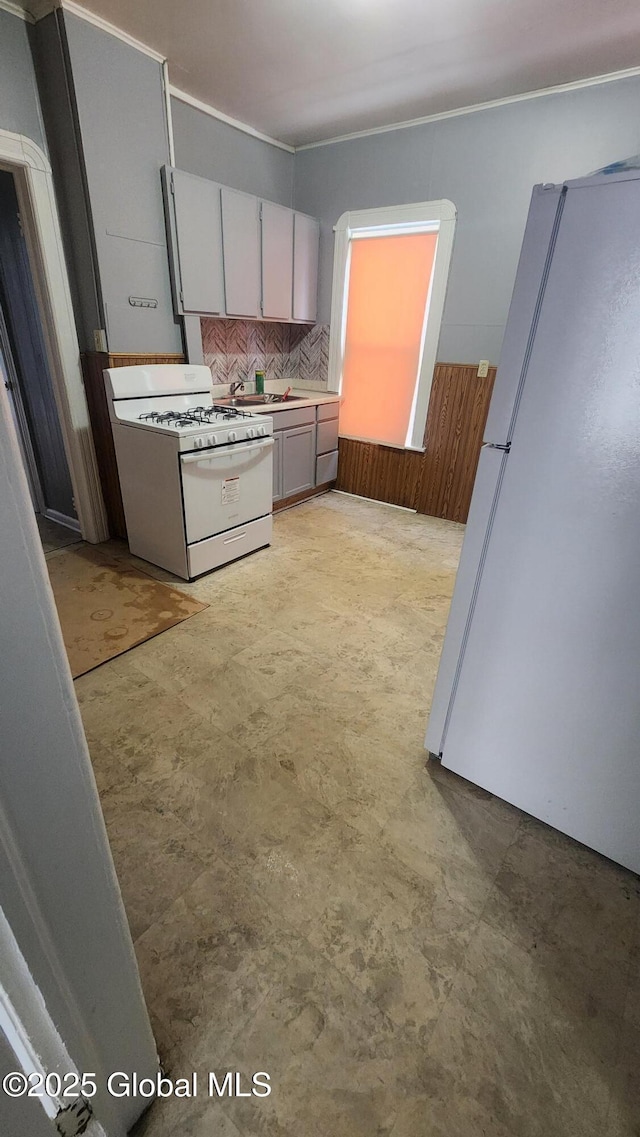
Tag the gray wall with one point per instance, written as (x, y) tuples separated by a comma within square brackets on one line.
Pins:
[(213, 149), (120, 109), (58, 108), (19, 105), (486, 163)]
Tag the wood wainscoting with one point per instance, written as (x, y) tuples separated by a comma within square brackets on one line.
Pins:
[(93, 364), (439, 481)]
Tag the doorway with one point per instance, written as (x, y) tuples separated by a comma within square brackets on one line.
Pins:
[(27, 377)]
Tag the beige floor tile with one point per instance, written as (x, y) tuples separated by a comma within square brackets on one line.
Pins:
[(623, 1119), (451, 840), (337, 1064), (535, 1064), (561, 900), (407, 955), (210, 960), (443, 1115), (155, 855), (197, 1116)]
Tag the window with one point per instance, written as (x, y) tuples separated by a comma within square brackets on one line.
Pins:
[(390, 273)]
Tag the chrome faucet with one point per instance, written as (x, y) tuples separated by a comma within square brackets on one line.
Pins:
[(239, 386)]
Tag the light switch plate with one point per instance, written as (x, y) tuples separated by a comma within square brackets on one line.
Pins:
[(483, 369), (99, 339)]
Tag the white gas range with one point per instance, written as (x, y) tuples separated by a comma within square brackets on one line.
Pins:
[(196, 476)]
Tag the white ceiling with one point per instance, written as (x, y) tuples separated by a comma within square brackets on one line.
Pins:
[(304, 70)]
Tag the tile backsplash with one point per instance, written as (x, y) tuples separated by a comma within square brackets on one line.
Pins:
[(235, 349)]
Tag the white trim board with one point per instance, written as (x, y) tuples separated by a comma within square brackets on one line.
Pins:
[(560, 88), (16, 10), (105, 26), (235, 122), (39, 8), (34, 187), (402, 218)]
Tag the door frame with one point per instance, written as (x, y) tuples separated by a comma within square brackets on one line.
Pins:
[(34, 187)]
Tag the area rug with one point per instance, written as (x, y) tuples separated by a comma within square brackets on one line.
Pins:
[(106, 607)]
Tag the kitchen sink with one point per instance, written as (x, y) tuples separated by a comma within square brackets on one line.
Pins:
[(257, 400)]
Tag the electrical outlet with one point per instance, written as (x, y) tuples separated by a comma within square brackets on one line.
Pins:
[(483, 369), (99, 339)]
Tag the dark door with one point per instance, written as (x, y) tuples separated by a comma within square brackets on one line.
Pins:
[(26, 344)]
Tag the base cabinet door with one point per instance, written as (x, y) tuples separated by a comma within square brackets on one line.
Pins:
[(277, 466), (298, 459)]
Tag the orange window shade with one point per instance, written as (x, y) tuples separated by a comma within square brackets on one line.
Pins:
[(388, 289)]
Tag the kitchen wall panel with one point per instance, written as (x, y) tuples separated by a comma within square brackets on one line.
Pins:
[(486, 163), (58, 109), (119, 102), (19, 103), (213, 149), (438, 482)]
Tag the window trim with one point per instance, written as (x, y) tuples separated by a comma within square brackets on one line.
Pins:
[(418, 217)]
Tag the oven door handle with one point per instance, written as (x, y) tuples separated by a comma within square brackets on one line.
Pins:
[(218, 451)]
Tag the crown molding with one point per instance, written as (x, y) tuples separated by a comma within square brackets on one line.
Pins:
[(235, 122), (38, 8), (105, 26), (16, 10), (576, 85)]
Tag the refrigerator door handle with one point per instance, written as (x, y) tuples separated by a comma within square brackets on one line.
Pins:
[(506, 447)]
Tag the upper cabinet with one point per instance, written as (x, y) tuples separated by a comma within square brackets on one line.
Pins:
[(197, 239), (306, 235), (241, 253), (277, 261), (235, 255)]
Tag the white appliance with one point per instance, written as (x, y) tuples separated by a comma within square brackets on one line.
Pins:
[(196, 476), (538, 692)]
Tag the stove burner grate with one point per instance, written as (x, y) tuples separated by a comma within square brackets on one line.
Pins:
[(197, 416)]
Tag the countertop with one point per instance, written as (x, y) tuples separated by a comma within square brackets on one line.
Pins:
[(305, 399)]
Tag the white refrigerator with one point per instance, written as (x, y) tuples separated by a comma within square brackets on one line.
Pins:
[(538, 693)]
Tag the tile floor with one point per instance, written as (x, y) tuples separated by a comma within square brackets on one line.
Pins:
[(404, 954), (55, 536)]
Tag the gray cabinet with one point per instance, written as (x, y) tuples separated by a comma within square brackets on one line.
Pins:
[(241, 252), (306, 236), (277, 465), (277, 260), (234, 255), (298, 459), (198, 244), (327, 443), (294, 452)]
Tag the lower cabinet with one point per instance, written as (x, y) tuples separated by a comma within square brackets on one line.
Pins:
[(294, 460), (305, 452), (277, 465), (298, 459)]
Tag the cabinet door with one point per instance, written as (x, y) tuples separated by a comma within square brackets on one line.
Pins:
[(306, 236), (298, 459), (277, 466), (199, 243), (241, 253), (277, 261)]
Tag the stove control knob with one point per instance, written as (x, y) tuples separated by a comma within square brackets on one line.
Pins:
[(212, 440), (251, 432), (262, 430), (232, 436), (198, 442)]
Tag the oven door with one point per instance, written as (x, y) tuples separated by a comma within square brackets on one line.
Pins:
[(226, 486)]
